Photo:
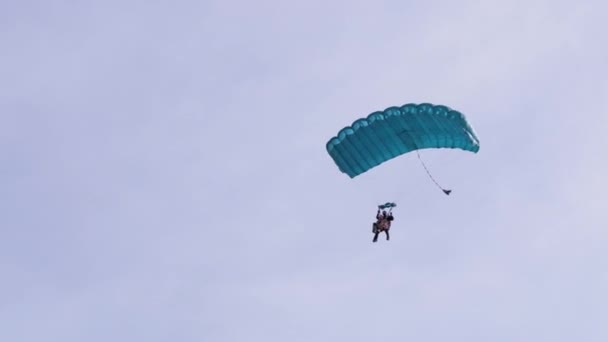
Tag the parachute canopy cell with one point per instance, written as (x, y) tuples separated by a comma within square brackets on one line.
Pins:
[(384, 135)]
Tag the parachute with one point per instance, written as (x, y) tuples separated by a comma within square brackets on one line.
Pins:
[(385, 135)]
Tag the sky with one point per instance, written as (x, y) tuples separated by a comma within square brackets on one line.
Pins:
[(164, 174)]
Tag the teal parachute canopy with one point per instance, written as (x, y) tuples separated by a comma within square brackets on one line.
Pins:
[(384, 135)]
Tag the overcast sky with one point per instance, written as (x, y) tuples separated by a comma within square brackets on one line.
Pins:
[(164, 174)]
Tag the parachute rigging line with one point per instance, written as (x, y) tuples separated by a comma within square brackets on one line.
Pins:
[(447, 192)]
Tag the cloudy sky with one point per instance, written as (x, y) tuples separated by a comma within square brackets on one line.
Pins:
[(164, 174)]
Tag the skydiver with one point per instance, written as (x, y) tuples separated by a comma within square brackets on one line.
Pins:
[(383, 224)]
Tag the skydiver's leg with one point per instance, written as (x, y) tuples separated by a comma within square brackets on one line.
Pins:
[(387, 236), (376, 236)]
